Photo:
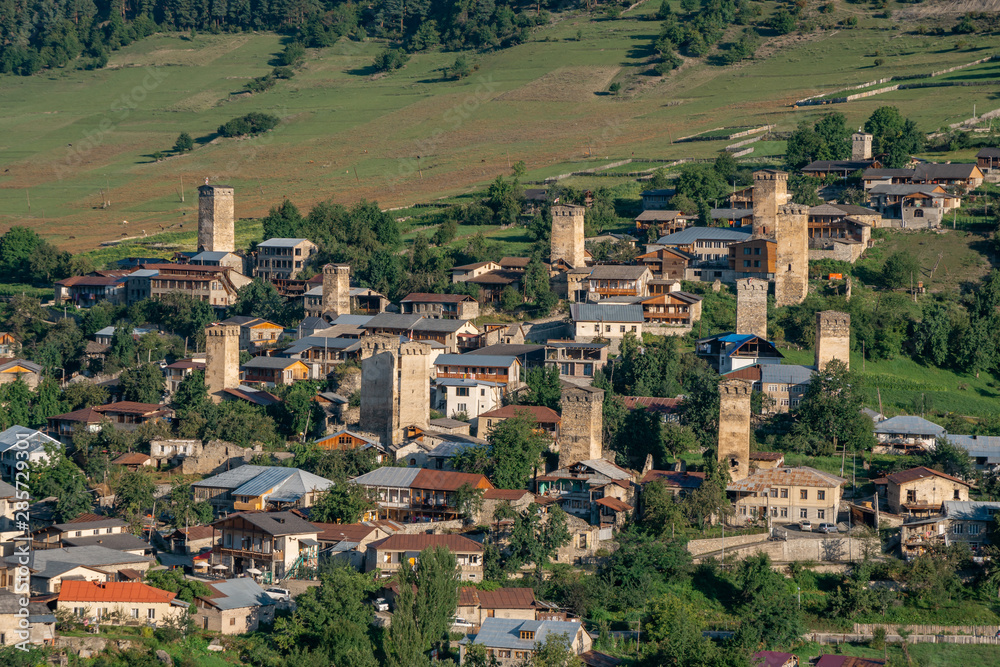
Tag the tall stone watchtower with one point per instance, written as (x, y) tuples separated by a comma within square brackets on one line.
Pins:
[(216, 217), (833, 338), (414, 391), (861, 146), (791, 265), (770, 191), (751, 307), (222, 359), (567, 235), (337, 289), (734, 427), (395, 387), (581, 429)]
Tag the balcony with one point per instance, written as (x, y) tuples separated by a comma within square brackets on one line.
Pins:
[(249, 553)]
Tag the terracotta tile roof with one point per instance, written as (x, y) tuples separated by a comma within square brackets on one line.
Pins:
[(131, 459), (538, 413), (615, 504), (674, 478), (130, 407), (504, 494), (401, 542), (446, 480), (801, 476), (913, 474), (112, 591)]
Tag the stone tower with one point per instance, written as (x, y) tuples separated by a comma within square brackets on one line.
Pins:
[(216, 219), (791, 264), (395, 387), (861, 146), (770, 191), (833, 338), (337, 289), (581, 436), (751, 307), (222, 359), (567, 235), (734, 427)]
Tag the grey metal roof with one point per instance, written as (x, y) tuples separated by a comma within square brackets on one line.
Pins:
[(280, 243), (355, 320), (391, 321), (607, 469), (785, 374), (53, 562), (210, 256), (606, 312), (276, 523), (110, 522), (446, 326), (909, 425), (309, 342), (143, 273), (904, 189), (978, 446), (618, 272), (274, 363), (6, 490), (506, 632), (692, 234), (388, 476), (508, 350), (231, 479), (269, 479), (472, 359), (971, 510), (36, 440), (288, 484), (117, 541), (731, 213), (238, 594)]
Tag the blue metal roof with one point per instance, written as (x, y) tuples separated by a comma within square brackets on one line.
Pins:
[(692, 234), (506, 632)]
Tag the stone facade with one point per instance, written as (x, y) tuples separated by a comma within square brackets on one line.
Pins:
[(791, 236), (833, 338), (567, 235), (395, 387), (216, 219), (751, 307), (734, 427), (581, 429), (222, 359), (861, 146), (337, 289), (770, 190), (217, 457)]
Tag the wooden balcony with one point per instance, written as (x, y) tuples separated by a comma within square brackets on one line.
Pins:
[(617, 291), (248, 553), (487, 377)]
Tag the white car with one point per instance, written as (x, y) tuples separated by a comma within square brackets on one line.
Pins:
[(279, 593), (459, 622), (806, 525), (380, 604)]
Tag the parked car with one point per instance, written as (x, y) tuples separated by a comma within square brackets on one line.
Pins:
[(380, 604), (458, 622), (828, 528), (279, 593), (805, 525)]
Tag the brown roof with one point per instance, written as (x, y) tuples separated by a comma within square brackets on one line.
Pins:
[(89, 281), (468, 596), (598, 659), (131, 459), (766, 456), (614, 504), (118, 591), (514, 262), (538, 413), (497, 278), (508, 598), (130, 407), (425, 297), (339, 532), (195, 533), (87, 517), (652, 403), (176, 269), (402, 542), (751, 373), (913, 474), (447, 480), (130, 574), (504, 494), (801, 476), (674, 478)]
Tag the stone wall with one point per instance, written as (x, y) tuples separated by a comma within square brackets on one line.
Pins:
[(734, 427), (699, 547), (337, 289), (751, 307), (414, 392), (216, 457), (770, 190), (791, 236), (216, 216), (378, 389), (567, 235), (222, 359), (833, 338), (833, 549), (581, 428)]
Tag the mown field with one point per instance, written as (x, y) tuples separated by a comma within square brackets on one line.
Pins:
[(69, 140)]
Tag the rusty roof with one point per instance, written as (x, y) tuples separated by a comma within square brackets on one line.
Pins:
[(540, 414), (112, 591), (674, 478), (751, 373), (196, 532), (504, 494), (913, 474), (508, 598), (801, 476), (468, 596), (339, 532), (403, 542), (766, 456), (131, 459), (447, 480), (615, 504)]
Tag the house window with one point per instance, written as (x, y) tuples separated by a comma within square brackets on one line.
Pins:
[(135, 613), (462, 391), (79, 611), (482, 392), (746, 251), (528, 634), (79, 533), (821, 495), (774, 493), (820, 514), (743, 510), (462, 407), (803, 495), (232, 621), (803, 514), (911, 496), (784, 493), (756, 263), (774, 511), (622, 329), (97, 531), (958, 529), (607, 328), (958, 494), (151, 613), (974, 529), (784, 512), (746, 263)]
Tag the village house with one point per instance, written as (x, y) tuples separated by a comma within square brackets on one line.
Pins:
[(871, 178), (786, 495), (597, 491), (51, 537), (256, 333), (218, 258), (192, 539), (345, 440), (215, 285), (673, 313), (466, 271), (513, 641), (841, 168), (85, 291), (667, 408), (545, 419), (450, 335), (774, 659), (727, 352), (274, 371), (364, 301), (677, 482), (667, 222), (914, 206), (132, 461), (754, 258), (783, 384), (657, 199), (253, 487), (106, 335), (20, 369), (966, 176), (921, 491), (906, 434), (606, 321), (123, 416), (435, 447), (175, 373), (120, 603), (613, 280), (275, 544), (321, 354), (50, 568), (347, 543), (502, 369), (418, 494), (391, 324), (41, 630), (440, 306), (475, 606), (575, 360), (984, 450), (988, 160), (709, 246), (971, 522), (234, 607), (281, 258), (9, 345), (666, 263), (390, 554), (467, 398), (20, 443)]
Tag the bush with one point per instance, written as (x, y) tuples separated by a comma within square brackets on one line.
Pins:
[(293, 55), (184, 143), (250, 124), (390, 60)]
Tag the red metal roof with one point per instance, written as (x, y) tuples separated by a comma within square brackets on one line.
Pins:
[(402, 542), (89, 281), (538, 413), (913, 474), (112, 591)]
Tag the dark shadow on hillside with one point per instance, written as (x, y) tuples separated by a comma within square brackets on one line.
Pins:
[(362, 71), (707, 580), (646, 48), (986, 393), (867, 275), (207, 139)]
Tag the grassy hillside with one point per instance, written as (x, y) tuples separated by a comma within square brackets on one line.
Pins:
[(413, 136)]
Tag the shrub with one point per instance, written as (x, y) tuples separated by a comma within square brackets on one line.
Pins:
[(184, 143), (293, 55), (389, 60), (250, 124)]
